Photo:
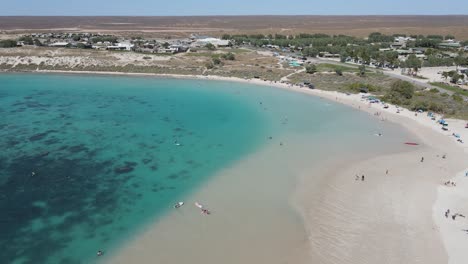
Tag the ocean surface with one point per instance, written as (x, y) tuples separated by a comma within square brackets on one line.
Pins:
[(88, 161)]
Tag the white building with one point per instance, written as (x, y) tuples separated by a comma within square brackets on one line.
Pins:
[(121, 46), (59, 44), (215, 41)]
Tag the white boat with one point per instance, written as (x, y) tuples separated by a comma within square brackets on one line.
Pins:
[(179, 204)]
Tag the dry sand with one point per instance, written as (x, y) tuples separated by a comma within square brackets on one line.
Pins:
[(399, 217), (218, 25), (388, 218)]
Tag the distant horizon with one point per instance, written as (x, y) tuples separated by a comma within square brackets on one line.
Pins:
[(237, 8), (248, 15)]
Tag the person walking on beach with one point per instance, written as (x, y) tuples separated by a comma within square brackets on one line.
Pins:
[(422, 159), (386, 172), (362, 178)]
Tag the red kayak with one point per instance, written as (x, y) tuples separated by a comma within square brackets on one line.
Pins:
[(411, 143)]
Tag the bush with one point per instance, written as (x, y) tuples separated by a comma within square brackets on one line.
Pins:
[(359, 87), (37, 42), (435, 107), (209, 65), (216, 61), (210, 46), (228, 56), (81, 46), (7, 43), (147, 58), (403, 88), (420, 105), (400, 93), (457, 97), (339, 72), (434, 90), (311, 69)]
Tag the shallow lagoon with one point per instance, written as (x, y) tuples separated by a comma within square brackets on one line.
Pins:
[(86, 160), (90, 160)]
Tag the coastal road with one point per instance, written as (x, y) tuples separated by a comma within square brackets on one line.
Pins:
[(416, 82)]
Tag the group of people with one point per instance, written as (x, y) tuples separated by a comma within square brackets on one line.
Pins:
[(450, 183), (454, 216), (359, 178)]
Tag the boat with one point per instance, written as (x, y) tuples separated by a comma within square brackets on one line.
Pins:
[(179, 204), (411, 143), (198, 205)]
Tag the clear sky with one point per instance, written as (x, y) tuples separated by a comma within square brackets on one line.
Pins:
[(231, 7)]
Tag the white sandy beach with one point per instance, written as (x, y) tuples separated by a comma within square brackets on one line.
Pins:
[(388, 218)]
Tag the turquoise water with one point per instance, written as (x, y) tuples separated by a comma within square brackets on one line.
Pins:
[(108, 154), (87, 161)]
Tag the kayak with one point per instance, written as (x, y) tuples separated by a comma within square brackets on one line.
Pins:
[(411, 143)]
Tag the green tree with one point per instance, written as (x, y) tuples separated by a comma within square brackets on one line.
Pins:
[(28, 40), (445, 75), (311, 69), (310, 52), (413, 62), (460, 60), (455, 77), (362, 70)]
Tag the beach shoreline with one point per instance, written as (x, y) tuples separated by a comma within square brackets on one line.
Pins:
[(408, 223)]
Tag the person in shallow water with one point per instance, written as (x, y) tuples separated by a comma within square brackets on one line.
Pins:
[(100, 253)]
